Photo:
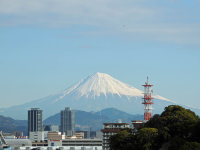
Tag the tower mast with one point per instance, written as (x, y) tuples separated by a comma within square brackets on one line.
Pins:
[(147, 101)]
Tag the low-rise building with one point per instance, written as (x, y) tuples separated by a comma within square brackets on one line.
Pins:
[(18, 142), (83, 143), (74, 142), (55, 138), (36, 136), (111, 129), (137, 124), (79, 135), (42, 143)]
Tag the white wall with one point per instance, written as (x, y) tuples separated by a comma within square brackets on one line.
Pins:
[(36, 136)]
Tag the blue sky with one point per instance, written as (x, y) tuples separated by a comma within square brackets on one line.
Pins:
[(47, 46)]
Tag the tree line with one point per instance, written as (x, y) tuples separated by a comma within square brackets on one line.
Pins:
[(176, 128)]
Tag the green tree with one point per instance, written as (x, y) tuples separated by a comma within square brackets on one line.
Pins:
[(196, 132), (176, 128), (190, 146), (122, 140), (146, 138), (174, 121), (179, 120)]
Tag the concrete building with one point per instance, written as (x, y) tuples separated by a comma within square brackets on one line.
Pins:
[(95, 143), (137, 124), (18, 142), (111, 129), (91, 134), (55, 138), (40, 144), (85, 133), (35, 120), (79, 135), (67, 119), (36, 136), (51, 128)]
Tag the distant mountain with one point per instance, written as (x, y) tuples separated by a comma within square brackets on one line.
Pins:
[(94, 93), (85, 120), (115, 114), (10, 125)]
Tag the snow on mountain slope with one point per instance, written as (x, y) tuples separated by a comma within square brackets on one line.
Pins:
[(100, 83), (94, 93)]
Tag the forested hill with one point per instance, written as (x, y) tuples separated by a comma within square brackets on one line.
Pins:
[(10, 125), (83, 120), (95, 120)]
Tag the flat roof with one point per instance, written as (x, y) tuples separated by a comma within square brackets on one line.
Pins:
[(117, 123), (137, 121)]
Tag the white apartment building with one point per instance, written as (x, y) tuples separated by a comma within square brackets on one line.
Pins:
[(36, 136)]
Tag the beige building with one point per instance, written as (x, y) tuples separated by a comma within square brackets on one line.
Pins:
[(78, 135), (55, 138)]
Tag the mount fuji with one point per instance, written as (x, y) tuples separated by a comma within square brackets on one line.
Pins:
[(93, 93)]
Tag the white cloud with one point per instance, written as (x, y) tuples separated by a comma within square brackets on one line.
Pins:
[(132, 17), (93, 12)]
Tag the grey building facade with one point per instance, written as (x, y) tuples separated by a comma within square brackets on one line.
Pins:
[(67, 122), (34, 120), (111, 129)]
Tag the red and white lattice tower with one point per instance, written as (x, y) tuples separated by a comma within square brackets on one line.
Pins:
[(147, 101)]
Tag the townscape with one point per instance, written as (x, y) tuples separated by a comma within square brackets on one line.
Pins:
[(64, 136), (99, 75)]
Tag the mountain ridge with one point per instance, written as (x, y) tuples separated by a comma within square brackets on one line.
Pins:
[(84, 120), (9, 125), (95, 120), (93, 93)]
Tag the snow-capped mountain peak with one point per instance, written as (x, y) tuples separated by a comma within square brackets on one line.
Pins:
[(102, 84), (94, 93), (99, 84)]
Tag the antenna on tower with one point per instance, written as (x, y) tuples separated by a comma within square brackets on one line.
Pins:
[(147, 81), (147, 100)]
